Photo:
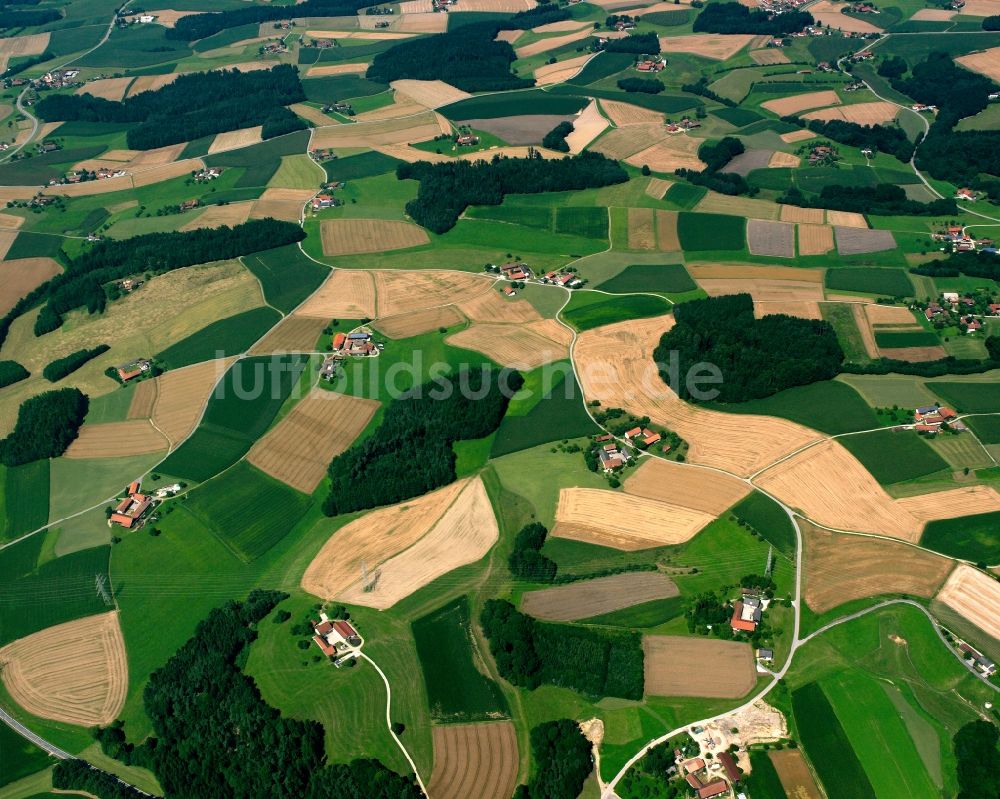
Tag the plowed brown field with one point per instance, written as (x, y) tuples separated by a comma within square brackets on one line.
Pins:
[(698, 489), (477, 760), (115, 439), (417, 322), (353, 236), (587, 598), (346, 293), (681, 666)]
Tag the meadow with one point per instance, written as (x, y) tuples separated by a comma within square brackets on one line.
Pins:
[(886, 282), (667, 279), (287, 276), (219, 339), (457, 691), (684, 196), (767, 518), (906, 338), (763, 781), (363, 165), (644, 615), (20, 757), (986, 428), (893, 457), (970, 397), (25, 498), (710, 231), (973, 538), (261, 161), (587, 310)]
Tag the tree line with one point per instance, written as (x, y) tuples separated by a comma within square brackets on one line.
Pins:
[(555, 139), (214, 735), (61, 367), (885, 199), (881, 138), (411, 452), (737, 18), (79, 775), (26, 18), (641, 85), (716, 156), (526, 561), (756, 357), (46, 425), (82, 284), (195, 105), (447, 189), (973, 264), (978, 760), (562, 760), (198, 26), (594, 662), (637, 43), (12, 372)]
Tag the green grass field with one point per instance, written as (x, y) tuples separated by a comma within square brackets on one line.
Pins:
[(829, 406), (337, 88), (666, 279), (602, 66), (887, 282), (587, 310), (710, 231), (20, 757), (511, 104), (828, 746), (684, 196), (894, 457), (261, 161), (355, 167), (975, 538), (906, 338), (457, 691), (987, 428), (763, 782), (35, 245), (248, 510), (25, 498), (645, 615), (969, 397), (222, 338), (767, 518), (737, 116), (287, 276), (579, 221)]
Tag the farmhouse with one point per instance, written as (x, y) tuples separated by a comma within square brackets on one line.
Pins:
[(508, 291), (611, 457), (929, 419), (764, 655), (746, 614), (133, 369), (207, 174), (321, 201), (337, 639), (132, 508), (516, 271), (649, 65), (466, 140), (358, 344), (982, 663)]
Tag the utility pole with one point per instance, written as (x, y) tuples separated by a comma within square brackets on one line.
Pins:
[(101, 584)]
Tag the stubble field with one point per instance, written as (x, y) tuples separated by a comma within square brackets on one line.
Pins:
[(587, 598), (705, 667), (474, 760)]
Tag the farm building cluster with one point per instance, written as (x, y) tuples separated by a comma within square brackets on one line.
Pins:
[(955, 239), (967, 311), (685, 124), (133, 369), (977, 660), (83, 175), (748, 611), (707, 780), (651, 65), (358, 344), (337, 639), (129, 512), (207, 174), (933, 419), (610, 455)]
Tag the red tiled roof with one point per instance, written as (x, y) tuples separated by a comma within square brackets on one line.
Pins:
[(714, 788), (344, 628), (729, 764), (123, 505), (693, 781), (133, 487), (737, 623), (323, 627), (324, 646), (122, 519)]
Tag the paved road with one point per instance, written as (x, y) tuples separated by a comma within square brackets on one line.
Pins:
[(37, 740)]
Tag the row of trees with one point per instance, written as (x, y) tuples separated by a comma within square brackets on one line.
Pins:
[(195, 105), (12, 372), (447, 189), (82, 284), (973, 264), (46, 425), (637, 44), (526, 561), (562, 760), (594, 662), (881, 138), (198, 26), (411, 452), (641, 85), (716, 156), (756, 357), (79, 775), (737, 18), (59, 368), (26, 18), (555, 139), (885, 199)]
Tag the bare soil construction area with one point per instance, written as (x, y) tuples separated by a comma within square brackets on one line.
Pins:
[(22, 276), (523, 346), (974, 596), (181, 395), (586, 598), (787, 106), (299, 448), (477, 760), (115, 439), (840, 568), (615, 365), (620, 521), (401, 292), (682, 666), (75, 673), (698, 489), (353, 236), (405, 546), (717, 46), (417, 322), (346, 293)]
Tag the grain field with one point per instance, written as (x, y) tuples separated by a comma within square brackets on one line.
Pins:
[(586, 598), (706, 667)]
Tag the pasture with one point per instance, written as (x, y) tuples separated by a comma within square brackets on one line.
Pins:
[(968, 397), (457, 689), (974, 538), (219, 339), (587, 310), (882, 282), (665, 278), (766, 516), (25, 498), (894, 457), (286, 275)]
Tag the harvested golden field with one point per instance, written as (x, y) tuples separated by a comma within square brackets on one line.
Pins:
[(657, 187), (782, 160), (986, 62), (477, 760), (587, 598), (280, 203), (416, 322), (889, 314), (865, 328), (792, 213), (830, 486), (794, 774), (622, 521), (681, 666), (588, 125), (631, 139), (623, 114), (402, 106), (143, 400), (787, 106), (399, 292), (6, 240), (107, 88), (346, 293), (523, 346), (294, 333), (641, 229), (846, 219), (429, 93), (666, 231), (75, 673), (553, 43), (840, 568), (116, 439), (723, 271), (715, 203), (419, 127), (181, 395), (417, 23), (914, 354), (874, 113), (974, 596), (815, 239), (615, 365), (670, 154), (492, 306), (231, 215), (550, 74), (717, 46), (498, 6), (14, 46), (235, 139), (312, 114), (8, 193), (698, 489), (797, 136), (769, 56), (168, 17), (298, 450), (157, 174), (933, 15), (10, 221), (951, 504), (981, 8), (151, 83), (803, 309), (416, 7), (353, 236), (508, 36), (780, 291), (828, 13), (563, 26), (88, 187), (338, 69), (456, 528)]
